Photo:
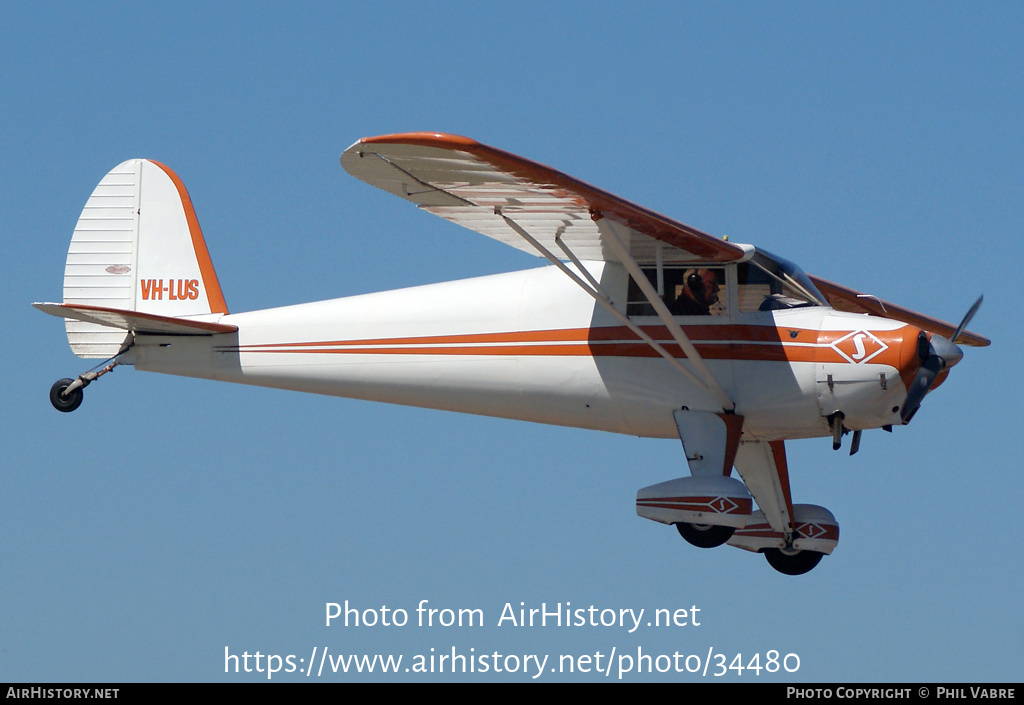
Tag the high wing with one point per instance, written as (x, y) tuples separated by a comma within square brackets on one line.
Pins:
[(473, 185), (481, 188)]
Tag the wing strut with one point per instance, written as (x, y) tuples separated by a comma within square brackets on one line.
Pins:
[(616, 236), (594, 289)]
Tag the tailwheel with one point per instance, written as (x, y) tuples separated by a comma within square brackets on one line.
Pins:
[(66, 394), (705, 535), (792, 562), (63, 401)]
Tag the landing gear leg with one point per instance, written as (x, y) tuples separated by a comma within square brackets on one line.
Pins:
[(66, 394)]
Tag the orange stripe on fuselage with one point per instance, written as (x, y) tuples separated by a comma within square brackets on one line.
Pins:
[(724, 342), (717, 334)]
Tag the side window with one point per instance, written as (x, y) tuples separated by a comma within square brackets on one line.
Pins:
[(688, 291)]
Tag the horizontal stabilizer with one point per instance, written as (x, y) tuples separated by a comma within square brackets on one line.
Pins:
[(134, 321)]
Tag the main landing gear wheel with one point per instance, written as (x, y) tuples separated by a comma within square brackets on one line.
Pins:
[(705, 535), (65, 403), (791, 562)]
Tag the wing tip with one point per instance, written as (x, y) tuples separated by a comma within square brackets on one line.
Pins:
[(973, 339), (425, 139)]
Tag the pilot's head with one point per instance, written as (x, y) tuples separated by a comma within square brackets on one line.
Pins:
[(702, 285)]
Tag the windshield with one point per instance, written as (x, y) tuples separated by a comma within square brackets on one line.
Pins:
[(768, 283)]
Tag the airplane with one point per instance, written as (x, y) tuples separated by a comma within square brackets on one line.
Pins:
[(641, 325)]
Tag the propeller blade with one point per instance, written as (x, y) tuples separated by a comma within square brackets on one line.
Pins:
[(920, 386), (967, 319)]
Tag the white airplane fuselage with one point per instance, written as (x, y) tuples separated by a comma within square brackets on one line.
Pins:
[(640, 325), (533, 346)]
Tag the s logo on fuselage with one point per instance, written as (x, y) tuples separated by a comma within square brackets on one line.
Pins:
[(859, 346)]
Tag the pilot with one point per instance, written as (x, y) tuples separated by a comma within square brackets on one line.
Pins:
[(699, 293)]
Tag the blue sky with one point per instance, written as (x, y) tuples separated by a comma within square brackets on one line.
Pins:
[(875, 144)]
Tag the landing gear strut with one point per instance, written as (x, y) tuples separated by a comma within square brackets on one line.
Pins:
[(66, 394)]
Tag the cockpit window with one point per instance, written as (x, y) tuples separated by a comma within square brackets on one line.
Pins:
[(686, 291), (769, 283)]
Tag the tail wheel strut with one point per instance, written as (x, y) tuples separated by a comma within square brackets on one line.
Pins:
[(66, 394)]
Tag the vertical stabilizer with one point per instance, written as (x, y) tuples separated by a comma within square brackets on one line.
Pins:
[(137, 247)]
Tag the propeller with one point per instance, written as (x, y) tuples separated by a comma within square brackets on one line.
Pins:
[(936, 355)]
